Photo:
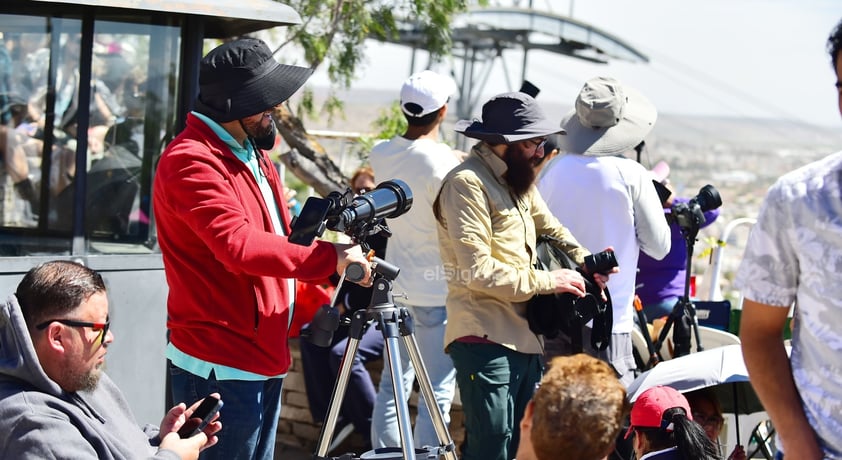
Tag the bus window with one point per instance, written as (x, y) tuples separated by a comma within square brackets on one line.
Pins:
[(57, 147)]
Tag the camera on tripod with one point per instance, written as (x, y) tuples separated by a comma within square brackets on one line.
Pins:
[(691, 215), (356, 216)]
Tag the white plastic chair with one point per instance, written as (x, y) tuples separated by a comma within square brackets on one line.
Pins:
[(710, 337)]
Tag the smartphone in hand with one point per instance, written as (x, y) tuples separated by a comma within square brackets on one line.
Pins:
[(200, 417)]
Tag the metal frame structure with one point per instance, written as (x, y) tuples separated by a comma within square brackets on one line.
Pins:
[(481, 35)]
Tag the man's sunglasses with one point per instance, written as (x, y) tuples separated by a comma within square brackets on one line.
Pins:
[(539, 144), (101, 327)]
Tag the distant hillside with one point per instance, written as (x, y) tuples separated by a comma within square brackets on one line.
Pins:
[(363, 106), (740, 157)]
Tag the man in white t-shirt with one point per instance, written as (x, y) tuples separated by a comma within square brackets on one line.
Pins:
[(607, 200), (418, 158)]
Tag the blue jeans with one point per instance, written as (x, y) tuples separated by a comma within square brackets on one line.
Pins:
[(429, 334), (249, 415)]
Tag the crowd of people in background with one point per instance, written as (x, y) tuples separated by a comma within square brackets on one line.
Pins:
[(467, 251), (114, 134)]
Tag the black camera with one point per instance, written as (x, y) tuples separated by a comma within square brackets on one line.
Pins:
[(691, 215), (601, 262), (356, 216)]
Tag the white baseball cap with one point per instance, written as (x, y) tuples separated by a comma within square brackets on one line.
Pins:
[(425, 92)]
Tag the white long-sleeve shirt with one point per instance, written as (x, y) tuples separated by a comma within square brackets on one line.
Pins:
[(609, 201), (413, 246)]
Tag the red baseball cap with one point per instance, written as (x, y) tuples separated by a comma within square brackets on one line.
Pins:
[(648, 410)]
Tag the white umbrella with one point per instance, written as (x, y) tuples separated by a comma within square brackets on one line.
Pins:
[(722, 368)]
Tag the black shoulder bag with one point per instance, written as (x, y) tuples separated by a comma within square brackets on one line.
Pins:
[(552, 314)]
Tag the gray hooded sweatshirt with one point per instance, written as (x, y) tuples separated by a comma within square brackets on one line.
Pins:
[(39, 420)]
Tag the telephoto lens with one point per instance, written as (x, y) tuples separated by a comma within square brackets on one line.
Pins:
[(601, 262)]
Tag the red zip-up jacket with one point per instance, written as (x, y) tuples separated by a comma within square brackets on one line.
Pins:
[(226, 267)]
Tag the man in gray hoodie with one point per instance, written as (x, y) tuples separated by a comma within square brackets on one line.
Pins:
[(55, 401)]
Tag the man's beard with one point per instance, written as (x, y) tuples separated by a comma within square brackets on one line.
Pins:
[(520, 173), (81, 380), (256, 129), (263, 136)]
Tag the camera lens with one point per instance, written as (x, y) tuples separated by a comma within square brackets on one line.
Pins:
[(601, 262), (708, 198)]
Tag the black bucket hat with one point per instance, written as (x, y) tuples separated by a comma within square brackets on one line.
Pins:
[(241, 78), (507, 118)]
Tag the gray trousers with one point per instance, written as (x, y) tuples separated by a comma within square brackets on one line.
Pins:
[(618, 355)]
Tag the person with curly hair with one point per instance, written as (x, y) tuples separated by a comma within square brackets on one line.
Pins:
[(578, 408)]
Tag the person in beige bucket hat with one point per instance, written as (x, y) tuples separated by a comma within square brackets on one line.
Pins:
[(609, 118), (607, 200)]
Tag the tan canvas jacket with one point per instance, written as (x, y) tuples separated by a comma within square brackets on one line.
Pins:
[(487, 242)]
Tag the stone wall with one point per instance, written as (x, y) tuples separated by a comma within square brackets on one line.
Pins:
[(296, 427)]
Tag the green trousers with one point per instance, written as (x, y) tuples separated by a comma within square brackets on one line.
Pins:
[(495, 385)]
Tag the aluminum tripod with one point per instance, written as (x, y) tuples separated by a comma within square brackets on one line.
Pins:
[(393, 322)]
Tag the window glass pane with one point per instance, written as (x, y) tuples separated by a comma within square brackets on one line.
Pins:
[(64, 76), (130, 113), (23, 93), (133, 65)]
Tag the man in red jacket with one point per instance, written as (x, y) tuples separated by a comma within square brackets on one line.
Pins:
[(223, 227)]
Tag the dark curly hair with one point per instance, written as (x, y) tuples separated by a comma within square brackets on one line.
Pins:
[(834, 43)]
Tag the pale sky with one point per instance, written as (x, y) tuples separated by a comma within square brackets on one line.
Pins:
[(741, 58)]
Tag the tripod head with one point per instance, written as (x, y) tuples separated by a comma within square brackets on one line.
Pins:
[(379, 269), (327, 319)]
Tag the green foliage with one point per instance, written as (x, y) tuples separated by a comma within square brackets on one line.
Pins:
[(334, 31), (389, 123)]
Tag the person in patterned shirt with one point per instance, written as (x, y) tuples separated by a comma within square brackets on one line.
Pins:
[(793, 257)]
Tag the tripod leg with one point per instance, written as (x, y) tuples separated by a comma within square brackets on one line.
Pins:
[(654, 356), (691, 310), (337, 397), (389, 328), (429, 397)]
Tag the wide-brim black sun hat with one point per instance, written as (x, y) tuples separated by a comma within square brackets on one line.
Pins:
[(239, 79), (507, 118)]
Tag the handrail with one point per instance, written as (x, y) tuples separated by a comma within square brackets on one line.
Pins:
[(715, 291)]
